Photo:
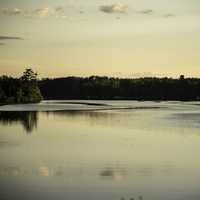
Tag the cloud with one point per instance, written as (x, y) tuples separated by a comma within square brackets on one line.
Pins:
[(168, 15), (42, 12), (150, 12), (59, 10), (10, 12), (114, 8), (10, 38), (115, 174), (146, 12), (2, 37), (39, 12)]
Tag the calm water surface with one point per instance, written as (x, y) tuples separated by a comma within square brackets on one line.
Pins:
[(143, 150)]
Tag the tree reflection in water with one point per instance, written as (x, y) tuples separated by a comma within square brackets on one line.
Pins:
[(28, 119)]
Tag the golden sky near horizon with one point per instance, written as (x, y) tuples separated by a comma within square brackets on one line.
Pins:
[(129, 38)]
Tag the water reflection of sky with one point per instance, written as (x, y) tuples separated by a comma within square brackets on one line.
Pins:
[(99, 155), (112, 173)]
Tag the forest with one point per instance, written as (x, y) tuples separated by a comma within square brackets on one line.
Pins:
[(97, 87), (28, 89), (20, 90)]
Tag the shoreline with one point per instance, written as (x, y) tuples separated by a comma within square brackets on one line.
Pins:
[(87, 106), (75, 101)]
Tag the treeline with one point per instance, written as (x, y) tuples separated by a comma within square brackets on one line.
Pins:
[(96, 87), (20, 90), (27, 89)]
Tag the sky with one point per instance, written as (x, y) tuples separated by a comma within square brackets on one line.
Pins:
[(127, 38)]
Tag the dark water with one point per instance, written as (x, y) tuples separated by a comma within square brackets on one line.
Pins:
[(143, 154)]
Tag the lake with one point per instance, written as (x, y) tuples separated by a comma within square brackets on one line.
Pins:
[(100, 150)]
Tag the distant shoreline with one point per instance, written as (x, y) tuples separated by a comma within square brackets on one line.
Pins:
[(108, 88), (75, 101), (27, 89)]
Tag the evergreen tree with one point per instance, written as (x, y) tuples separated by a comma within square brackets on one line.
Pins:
[(22, 90)]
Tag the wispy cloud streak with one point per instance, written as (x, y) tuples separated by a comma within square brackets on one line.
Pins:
[(10, 38), (168, 15), (146, 12)]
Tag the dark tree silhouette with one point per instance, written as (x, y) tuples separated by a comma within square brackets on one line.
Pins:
[(96, 87), (29, 75), (27, 89), (22, 90)]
